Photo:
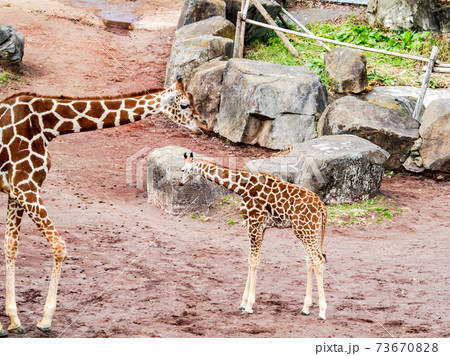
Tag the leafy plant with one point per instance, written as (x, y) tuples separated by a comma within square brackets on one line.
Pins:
[(382, 69)]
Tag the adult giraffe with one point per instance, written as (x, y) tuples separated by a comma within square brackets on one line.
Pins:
[(270, 201), (28, 122)]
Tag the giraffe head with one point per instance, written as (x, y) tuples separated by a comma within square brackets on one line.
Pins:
[(178, 105), (187, 169)]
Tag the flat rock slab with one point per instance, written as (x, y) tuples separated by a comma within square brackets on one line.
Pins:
[(338, 169), (268, 104), (387, 128), (401, 91), (435, 133), (163, 173), (213, 26)]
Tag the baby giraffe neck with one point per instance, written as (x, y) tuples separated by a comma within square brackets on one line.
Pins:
[(231, 179)]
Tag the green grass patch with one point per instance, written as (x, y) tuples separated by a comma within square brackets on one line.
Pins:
[(6, 78), (381, 69), (368, 211)]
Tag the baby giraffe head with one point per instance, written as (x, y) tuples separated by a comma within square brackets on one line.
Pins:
[(187, 169), (178, 105)]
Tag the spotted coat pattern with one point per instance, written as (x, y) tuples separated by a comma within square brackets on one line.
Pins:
[(269, 201), (28, 122)]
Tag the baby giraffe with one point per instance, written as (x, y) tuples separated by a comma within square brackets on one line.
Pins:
[(269, 201)]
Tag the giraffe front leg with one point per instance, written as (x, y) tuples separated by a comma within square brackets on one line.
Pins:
[(309, 281), (246, 291), (11, 247), (33, 205), (256, 232)]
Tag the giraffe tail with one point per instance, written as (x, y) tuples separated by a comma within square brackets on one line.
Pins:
[(324, 223)]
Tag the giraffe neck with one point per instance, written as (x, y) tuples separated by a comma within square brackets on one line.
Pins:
[(232, 179), (58, 116)]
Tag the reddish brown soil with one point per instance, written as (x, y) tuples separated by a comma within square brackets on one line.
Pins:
[(135, 271)]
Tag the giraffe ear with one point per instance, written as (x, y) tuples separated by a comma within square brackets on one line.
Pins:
[(185, 155), (179, 84), (192, 155)]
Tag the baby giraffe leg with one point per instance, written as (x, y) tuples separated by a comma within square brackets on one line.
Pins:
[(14, 218), (255, 230), (309, 281)]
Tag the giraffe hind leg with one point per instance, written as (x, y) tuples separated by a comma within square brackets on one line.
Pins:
[(309, 281), (14, 217)]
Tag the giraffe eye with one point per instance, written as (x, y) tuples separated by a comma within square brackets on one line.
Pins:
[(184, 106)]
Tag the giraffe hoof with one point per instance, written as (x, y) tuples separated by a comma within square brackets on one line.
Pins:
[(3, 333), (45, 330), (305, 312), (241, 308), (321, 318), (19, 330)]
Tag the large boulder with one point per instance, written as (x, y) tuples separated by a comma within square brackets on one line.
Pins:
[(409, 14), (268, 104), (12, 44), (346, 70), (192, 53), (206, 86), (339, 169), (163, 173), (435, 133), (197, 10), (213, 26), (387, 128)]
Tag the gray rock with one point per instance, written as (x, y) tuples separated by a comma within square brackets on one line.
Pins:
[(272, 105), (339, 169), (192, 53), (213, 26), (346, 70), (384, 127), (435, 133), (402, 104), (197, 10), (409, 14), (206, 86), (12, 44), (163, 173)]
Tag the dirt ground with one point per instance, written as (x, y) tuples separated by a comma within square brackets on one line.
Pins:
[(135, 271)]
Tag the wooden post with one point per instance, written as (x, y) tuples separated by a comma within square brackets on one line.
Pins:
[(270, 21), (299, 24), (237, 35), (426, 79), (283, 21)]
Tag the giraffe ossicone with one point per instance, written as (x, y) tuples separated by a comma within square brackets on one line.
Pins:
[(269, 201), (28, 122)]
